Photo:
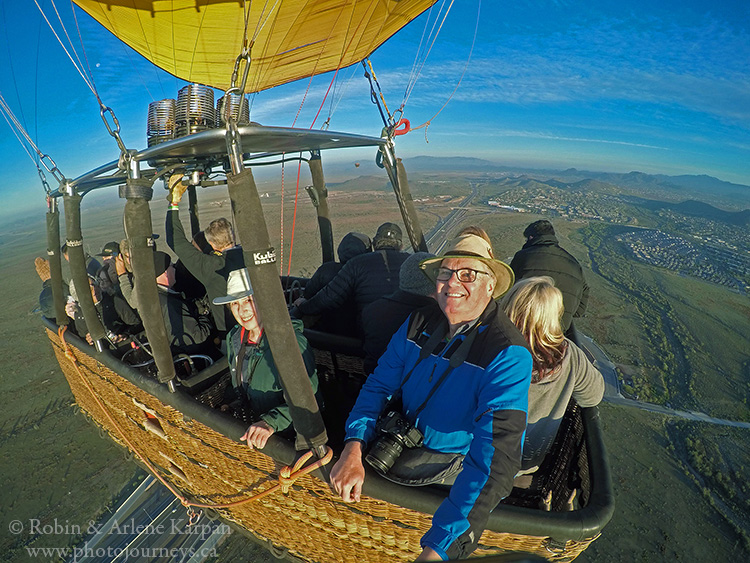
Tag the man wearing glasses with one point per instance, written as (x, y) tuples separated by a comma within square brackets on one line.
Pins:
[(447, 403)]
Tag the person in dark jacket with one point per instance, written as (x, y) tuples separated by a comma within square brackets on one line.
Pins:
[(543, 256), (106, 276), (353, 244), (92, 264), (344, 319), (112, 298), (107, 311), (46, 300), (382, 317), (366, 277), (212, 270)]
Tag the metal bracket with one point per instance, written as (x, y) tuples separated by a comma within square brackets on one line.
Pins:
[(313, 195)]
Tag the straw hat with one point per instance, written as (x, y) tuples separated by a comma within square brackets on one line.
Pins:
[(473, 246), (238, 287)]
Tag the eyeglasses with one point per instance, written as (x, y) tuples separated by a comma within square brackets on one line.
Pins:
[(464, 275)]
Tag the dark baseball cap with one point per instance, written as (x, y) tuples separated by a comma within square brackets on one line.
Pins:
[(388, 231), (110, 249)]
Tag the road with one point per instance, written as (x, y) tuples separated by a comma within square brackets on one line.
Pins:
[(612, 389), (151, 524), (438, 236)]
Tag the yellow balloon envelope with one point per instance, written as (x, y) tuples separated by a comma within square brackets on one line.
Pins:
[(199, 40)]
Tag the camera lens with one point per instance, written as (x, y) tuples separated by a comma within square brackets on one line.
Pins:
[(384, 453)]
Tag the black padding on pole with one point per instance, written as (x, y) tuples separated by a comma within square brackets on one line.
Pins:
[(409, 213), (136, 189), (55, 265), (195, 225), (260, 260), (324, 221), (78, 272), (139, 230)]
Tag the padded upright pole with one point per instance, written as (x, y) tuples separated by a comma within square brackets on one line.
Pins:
[(55, 264), (406, 204), (139, 230), (260, 260), (321, 207), (78, 272)]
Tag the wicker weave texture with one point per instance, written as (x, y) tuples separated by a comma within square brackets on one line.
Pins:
[(207, 467)]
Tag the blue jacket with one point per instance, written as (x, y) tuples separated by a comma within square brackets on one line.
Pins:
[(479, 410)]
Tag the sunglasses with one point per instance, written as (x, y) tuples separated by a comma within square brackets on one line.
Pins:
[(464, 275)]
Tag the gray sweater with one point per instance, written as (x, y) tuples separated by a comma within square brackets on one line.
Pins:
[(575, 377)]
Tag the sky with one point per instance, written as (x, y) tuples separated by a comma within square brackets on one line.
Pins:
[(617, 86)]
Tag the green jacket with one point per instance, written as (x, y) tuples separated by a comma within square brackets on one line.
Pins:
[(264, 391)]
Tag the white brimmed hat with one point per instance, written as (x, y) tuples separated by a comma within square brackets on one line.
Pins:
[(238, 287), (473, 246)]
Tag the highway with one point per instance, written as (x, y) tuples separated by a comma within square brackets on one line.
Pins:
[(439, 235)]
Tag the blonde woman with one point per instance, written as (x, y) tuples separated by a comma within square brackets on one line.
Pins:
[(561, 370)]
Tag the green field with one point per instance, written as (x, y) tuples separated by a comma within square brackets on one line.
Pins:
[(679, 339)]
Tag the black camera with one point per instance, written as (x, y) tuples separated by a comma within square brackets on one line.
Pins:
[(395, 433)]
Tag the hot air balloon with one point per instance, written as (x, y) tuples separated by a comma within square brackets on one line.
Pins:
[(168, 418)]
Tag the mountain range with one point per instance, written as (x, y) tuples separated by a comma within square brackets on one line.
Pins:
[(637, 180)]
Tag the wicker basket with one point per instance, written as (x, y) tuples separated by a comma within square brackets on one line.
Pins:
[(209, 467)]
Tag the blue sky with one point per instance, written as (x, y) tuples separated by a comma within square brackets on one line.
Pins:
[(658, 87)]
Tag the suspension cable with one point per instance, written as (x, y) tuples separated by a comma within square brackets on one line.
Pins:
[(70, 41), (294, 219), (36, 161), (338, 94), (420, 65), (12, 69), (11, 124), (377, 98), (414, 65), (85, 78), (89, 80), (426, 124), (262, 21), (43, 158), (281, 227)]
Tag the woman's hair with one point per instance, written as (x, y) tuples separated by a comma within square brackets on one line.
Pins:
[(477, 231), (535, 306)]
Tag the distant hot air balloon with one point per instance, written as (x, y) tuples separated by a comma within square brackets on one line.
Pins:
[(356, 165)]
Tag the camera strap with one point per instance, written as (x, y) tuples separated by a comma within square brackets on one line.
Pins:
[(457, 358), (254, 361)]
